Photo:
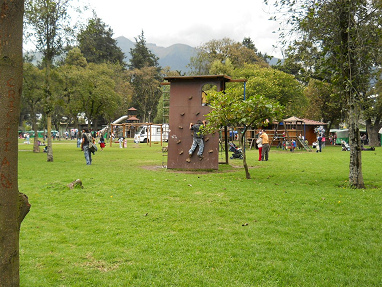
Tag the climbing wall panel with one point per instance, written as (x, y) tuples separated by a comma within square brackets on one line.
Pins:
[(185, 108)]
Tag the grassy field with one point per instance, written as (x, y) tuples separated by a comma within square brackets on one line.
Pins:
[(295, 223)]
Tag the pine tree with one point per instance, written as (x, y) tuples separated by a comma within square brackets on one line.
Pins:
[(141, 56), (97, 44)]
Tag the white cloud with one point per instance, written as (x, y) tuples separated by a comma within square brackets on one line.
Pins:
[(190, 22)]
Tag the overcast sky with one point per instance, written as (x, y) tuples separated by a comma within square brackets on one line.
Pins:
[(193, 22)]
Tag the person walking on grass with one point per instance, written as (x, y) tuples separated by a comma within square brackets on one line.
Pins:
[(86, 138), (259, 142), (265, 143), (319, 146), (102, 142), (197, 139), (120, 140)]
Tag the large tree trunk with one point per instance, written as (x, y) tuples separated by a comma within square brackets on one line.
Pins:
[(49, 138), (355, 166), (11, 203), (36, 147), (351, 84), (373, 131)]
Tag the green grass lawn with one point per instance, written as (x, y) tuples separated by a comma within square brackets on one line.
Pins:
[(295, 223)]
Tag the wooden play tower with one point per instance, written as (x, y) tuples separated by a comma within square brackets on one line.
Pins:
[(187, 105)]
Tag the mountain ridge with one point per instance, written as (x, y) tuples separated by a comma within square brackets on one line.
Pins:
[(176, 56)]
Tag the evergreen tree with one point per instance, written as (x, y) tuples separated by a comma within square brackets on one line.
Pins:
[(141, 56), (97, 44), (248, 43), (145, 77)]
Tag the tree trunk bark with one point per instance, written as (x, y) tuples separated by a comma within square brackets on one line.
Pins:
[(11, 67), (242, 144), (355, 166), (49, 138), (373, 132), (350, 81), (36, 147)]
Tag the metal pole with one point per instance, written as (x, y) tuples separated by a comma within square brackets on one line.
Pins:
[(245, 87)]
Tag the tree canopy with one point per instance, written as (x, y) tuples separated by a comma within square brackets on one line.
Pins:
[(276, 85), (95, 90), (222, 50), (340, 40), (32, 95), (49, 22), (145, 78), (97, 44), (141, 56), (325, 103), (229, 108)]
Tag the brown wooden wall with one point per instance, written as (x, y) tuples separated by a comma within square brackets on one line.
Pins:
[(186, 107)]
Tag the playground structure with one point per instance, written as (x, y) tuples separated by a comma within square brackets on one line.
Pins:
[(128, 130), (284, 132), (187, 105)]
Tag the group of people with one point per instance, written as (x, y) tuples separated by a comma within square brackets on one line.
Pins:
[(197, 141), (263, 145)]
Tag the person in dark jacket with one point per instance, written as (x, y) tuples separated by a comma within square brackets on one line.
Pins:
[(86, 137), (197, 139)]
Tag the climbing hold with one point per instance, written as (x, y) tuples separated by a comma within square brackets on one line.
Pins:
[(181, 152), (181, 127), (210, 151), (179, 141)]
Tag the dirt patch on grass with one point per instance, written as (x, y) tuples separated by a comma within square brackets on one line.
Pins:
[(232, 168), (156, 168)]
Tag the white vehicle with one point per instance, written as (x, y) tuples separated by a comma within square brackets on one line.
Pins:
[(152, 132)]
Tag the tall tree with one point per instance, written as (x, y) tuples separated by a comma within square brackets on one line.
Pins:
[(325, 103), (97, 44), (229, 108), (89, 90), (48, 21), (372, 113), (32, 96), (163, 102), (82, 81), (248, 43), (342, 40), (219, 68), (123, 89), (146, 92), (221, 50), (141, 56), (276, 85), (13, 205), (145, 77)]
